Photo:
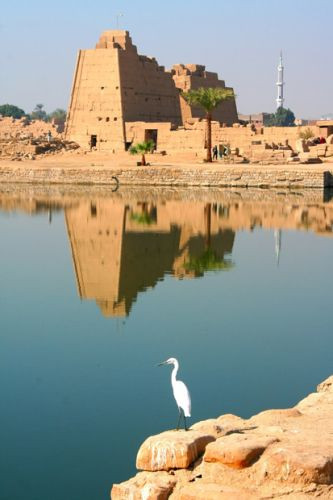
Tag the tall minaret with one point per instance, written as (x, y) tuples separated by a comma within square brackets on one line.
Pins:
[(280, 84)]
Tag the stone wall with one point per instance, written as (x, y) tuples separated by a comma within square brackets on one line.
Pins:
[(240, 176), (194, 76), (148, 92), (23, 195), (192, 136)]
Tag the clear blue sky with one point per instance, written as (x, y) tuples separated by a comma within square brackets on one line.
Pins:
[(240, 39)]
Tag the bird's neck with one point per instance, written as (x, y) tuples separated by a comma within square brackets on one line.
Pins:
[(174, 373)]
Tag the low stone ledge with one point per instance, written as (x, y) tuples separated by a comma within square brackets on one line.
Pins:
[(187, 175), (221, 426), (145, 485), (275, 417), (172, 450), (326, 386), (211, 491), (299, 464), (210, 426), (237, 450)]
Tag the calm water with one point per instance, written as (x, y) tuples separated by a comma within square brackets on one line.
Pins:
[(98, 287)]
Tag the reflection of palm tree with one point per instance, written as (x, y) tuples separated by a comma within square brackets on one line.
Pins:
[(142, 218), (208, 260), (147, 216), (208, 224)]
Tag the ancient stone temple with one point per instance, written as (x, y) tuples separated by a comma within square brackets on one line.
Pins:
[(117, 92)]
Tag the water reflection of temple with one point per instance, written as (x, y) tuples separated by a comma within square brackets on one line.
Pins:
[(119, 250), (122, 247), (246, 215)]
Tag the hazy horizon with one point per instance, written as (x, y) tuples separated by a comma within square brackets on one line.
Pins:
[(240, 41)]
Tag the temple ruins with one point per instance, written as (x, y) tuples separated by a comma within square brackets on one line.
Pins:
[(120, 97)]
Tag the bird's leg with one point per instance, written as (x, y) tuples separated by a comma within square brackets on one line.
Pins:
[(180, 414), (185, 422)]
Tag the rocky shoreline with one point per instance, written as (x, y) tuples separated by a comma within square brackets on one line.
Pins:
[(286, 453)]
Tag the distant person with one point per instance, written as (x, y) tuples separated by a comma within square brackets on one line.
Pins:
[(215, 153), (49, 136), (322, 140), (221, 151)]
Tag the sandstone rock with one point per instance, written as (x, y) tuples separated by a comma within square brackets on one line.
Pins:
[(210, 426), (299, 464), (329, 151), (210, 491), (275, 417), (229, 420), (145, 485), (310, 401), (301, 146), (237, 450), (326, 385), (321, 150), (172, 450), (318, 402)]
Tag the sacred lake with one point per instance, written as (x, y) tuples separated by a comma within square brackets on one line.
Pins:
[(98, 286)]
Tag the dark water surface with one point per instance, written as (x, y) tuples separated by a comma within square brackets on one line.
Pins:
[(98, 287)]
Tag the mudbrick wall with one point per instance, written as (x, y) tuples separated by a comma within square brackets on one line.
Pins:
[(238, 176)]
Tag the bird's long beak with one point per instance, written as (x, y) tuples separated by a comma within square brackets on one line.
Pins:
[(161, 364)]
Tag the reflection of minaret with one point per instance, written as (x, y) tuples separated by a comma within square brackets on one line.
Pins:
[(280, 84), (277, 237)]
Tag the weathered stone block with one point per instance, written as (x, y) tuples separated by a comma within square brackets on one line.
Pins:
[(172, 450), (275, 417), (326, 385), (237, 450), (301, 146), (210, 426), (299, 464), (211, 491), (145, 485)]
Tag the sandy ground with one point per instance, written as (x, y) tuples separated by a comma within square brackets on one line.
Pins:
[(96, 159)]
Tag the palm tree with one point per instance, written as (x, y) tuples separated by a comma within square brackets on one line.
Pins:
[(142, 148), (208, 99)]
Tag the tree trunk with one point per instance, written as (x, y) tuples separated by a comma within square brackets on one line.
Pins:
[(209, 136), (208, 224), (143, 160)]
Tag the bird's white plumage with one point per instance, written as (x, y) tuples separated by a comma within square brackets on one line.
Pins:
[(182, 397), (179, 389)]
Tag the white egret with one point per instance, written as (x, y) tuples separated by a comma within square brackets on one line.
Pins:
[(180, 392)]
